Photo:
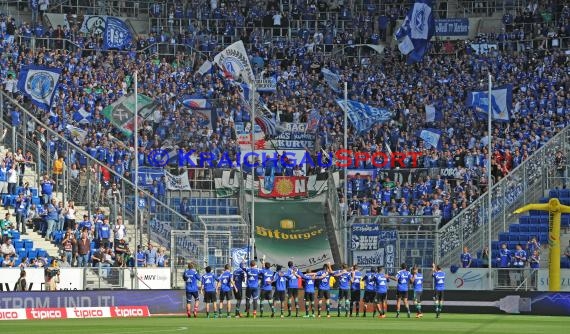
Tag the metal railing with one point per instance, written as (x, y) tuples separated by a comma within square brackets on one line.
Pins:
[(525, 184), (101, 7)]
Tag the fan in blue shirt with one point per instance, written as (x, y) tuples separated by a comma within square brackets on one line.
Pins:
[(355, 279), (253, 274), (439, 281), (323, 276), (267, 276), (225, 286), (209, 282), (403, 278), (418, 283), (343, 277), (191, 277), (465, 258)]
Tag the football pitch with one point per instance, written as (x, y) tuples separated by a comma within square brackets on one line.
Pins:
[(448, 323)]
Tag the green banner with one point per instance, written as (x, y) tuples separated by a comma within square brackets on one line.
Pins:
[(292, 231), (121, 112)]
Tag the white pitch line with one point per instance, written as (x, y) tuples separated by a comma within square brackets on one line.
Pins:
[(179, 329)]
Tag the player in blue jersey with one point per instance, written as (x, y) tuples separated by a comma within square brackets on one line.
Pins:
[(253, 274), (309, 286), (225, 287), (191, 277), (292, 289), (403, 279), (355, 278), (209, 282), (343, 278), (267, 276), (280, 294), (369, 289), (439, 282), (239, 278), (382, 280), (418, 283), (324, 276)]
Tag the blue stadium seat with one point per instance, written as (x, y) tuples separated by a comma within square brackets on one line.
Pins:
[(565, 200), (202, 201), (524, 228), (534, 228), (495, 245), (41, 252), (512, 245), (564, 192), (18, 243), (36, 200), (565, 221), (15, 235), (202, 210), (193, 201), (503, 236), (564, 262), (233, 211), (514, 228), (524, 220), (22, 252), (543, 238), (514, 237), (32, 253), (212, 210), (544, 200), (543, 228), (538, 213), (543, 220), (34, 192), (553, 193), (28, 244)]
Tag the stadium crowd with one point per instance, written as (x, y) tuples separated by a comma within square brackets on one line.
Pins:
[(539, 74)]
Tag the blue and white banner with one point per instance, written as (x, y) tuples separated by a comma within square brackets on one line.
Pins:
[(117, 34), (239, 255), (332, 79), (147, 175), (452, 27), (431, 137), (267, 85), (40, 84), (433, 113), (235, 64), (206, 67), (416, 31), (313, 120), (372, 247), (363, 116), (501, 102)]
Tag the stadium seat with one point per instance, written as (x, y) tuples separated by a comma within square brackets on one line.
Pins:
[(18, 243), (564, 262), (32, 253), (28, 244), (36, 200), (512, 245), (523, 228), (16, 235), (543, 238), (524, 220), (553, 193), (495, 245), (212, 210), (564, 192), (34, 192), (534, 228), (503, 236), (514, 228), (202, 210), (543, 228), (543, 220), (538, 213), (41, 252), (22, 252), (233, 211), (513, 237)]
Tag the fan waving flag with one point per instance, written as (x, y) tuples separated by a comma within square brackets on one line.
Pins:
[(235, 64), (415, 32), (433, 113), (432, 137), (40, 84), (363, 116), (267, 125), (82, 116), (193, 102), (117, 34), (332, 79), (501, 102)]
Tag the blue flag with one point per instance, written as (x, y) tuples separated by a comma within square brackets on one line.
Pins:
[(40, 84), (501, 102), (270, 179), (432, 137), (363, 116), (117, 34), (433, 113), (332, 79), (313, 120), (415, 32), (82, 116)]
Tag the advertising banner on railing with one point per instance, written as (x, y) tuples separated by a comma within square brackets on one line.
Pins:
[(452, 27), (372, 247), (74, 313), (467, 279), (292, 231), (69, 279), (542, 281), (152, 278), (282, 186)]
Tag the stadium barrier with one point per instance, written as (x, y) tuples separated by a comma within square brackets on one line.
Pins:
[(74, 313)]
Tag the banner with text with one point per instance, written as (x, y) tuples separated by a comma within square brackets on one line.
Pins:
[(372, 247), (292, 231), (282, 186), (452, 27), (69, 279)]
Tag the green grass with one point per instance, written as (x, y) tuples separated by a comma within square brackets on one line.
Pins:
[(448, 323)]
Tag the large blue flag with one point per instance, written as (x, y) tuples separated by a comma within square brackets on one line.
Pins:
[(332, 79), (432, 137), (501, 102), (40, 84), (117, 34), (363, 116), (416, 31)]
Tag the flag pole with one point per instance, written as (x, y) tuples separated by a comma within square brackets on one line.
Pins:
[(489, 182), (252, 213), (345, 143), (136, 148)]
